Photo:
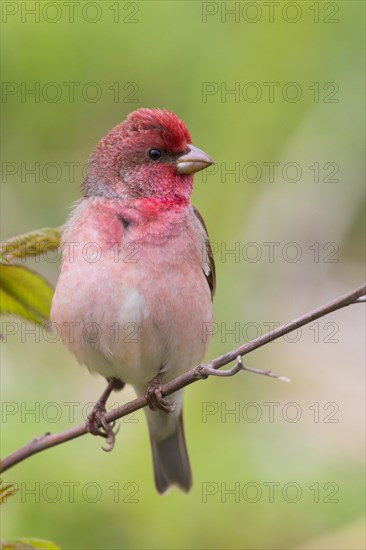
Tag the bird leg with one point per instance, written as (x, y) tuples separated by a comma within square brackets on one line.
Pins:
[(154, 397), (96, 422)]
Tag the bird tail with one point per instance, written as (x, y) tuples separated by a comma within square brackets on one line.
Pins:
[(171, 461)]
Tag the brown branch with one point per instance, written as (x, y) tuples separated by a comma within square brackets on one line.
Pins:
[(197, 373)]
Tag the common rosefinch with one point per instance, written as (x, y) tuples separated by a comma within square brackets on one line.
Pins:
[(137, 275)]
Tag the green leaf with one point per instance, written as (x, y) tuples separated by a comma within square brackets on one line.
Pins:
[(25, 293), (29, 544), (32, 243)]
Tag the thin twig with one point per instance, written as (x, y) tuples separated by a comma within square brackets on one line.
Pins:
[(197, 373), (239, 366)]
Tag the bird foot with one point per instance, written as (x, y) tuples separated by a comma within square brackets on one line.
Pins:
[(155, 399), (97, 424)]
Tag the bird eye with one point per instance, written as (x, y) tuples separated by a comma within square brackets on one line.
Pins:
[(154, 154)]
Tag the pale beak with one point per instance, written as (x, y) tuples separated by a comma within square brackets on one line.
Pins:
[(193, 161)]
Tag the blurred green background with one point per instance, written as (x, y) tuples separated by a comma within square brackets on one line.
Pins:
[(186, 56)]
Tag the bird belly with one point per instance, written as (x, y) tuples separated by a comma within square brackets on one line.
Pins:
[(133, 320)]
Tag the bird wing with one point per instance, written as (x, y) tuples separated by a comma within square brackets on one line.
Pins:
[(211, 276)]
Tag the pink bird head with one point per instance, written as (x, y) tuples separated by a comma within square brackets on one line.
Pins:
[(150, 154)]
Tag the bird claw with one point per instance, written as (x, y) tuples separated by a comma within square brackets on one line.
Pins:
[(155, 399), (97, 424)]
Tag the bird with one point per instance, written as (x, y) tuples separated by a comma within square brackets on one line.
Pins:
[(137, 276)]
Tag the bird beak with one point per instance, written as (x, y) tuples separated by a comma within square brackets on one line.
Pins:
[(193, 161)]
